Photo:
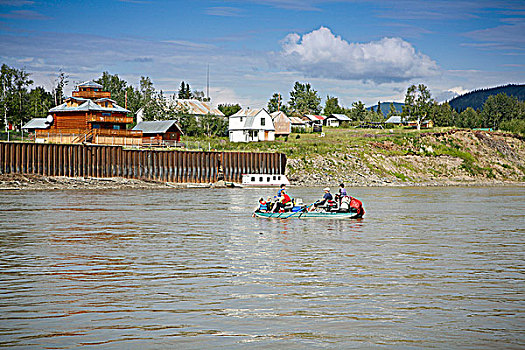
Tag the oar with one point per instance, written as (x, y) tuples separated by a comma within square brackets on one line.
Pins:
[(304, 211)]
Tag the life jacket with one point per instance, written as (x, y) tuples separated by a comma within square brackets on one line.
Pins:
[(357, 205), (263, 206), (286, 198), (345, 203)]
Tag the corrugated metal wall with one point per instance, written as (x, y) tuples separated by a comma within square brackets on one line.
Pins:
[(114, 161)]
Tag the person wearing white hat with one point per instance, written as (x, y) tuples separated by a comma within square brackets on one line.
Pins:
[(327, 197)]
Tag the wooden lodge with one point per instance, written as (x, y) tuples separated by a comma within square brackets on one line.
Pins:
[(89, 115)]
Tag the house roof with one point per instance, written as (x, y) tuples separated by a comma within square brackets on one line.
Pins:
[(196, 107), (313, 117), (395, 119), (87, 105), (90, 84), (247, 112), (296, 121), (278, 114), (340, 117), (250, 115), (156, 126), (36, 123)]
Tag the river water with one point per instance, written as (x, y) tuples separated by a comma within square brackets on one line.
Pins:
[(191, 269)]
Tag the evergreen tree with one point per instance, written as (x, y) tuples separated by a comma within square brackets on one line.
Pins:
[(115, 85), (358, 112), (392, 110), (379, 111), (499, 108)]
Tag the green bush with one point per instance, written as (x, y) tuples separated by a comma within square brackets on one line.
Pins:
[(514, 125)]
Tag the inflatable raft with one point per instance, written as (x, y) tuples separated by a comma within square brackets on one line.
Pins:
[(307, 215)]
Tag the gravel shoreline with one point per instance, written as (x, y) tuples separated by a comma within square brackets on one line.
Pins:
[(37, 182)]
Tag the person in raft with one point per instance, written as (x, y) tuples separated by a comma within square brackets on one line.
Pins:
[(282, 201), (357, 206), (326, 198), (341, 194), (263, 205), (281, 188)]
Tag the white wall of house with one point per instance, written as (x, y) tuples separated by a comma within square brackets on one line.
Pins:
[(251, 126), (332, 122)]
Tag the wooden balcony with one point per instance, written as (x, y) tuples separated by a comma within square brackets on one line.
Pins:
[(110, 119), (95, 136), (92, 94)]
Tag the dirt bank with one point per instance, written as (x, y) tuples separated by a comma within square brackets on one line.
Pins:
[(456, 157)]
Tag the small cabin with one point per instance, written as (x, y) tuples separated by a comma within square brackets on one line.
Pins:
[(282, 124), (159, 132), (335, 120)]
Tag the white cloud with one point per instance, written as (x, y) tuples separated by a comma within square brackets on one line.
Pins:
[(458, 90), (322, 54)]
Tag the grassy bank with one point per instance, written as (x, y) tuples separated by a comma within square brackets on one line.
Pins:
[(395, 156)]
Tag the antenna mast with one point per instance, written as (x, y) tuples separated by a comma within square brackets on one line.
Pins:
[(208, 83)]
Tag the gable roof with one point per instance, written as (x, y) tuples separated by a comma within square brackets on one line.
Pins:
[(196, 107), (87, 105), (296, 121), (313, 117), (36, 123), (251, 115), (277, 114), (340, 117), (395, 119), (156, 126), (91, 84), (247, 112)]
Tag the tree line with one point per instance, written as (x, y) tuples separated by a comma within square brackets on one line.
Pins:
[(499, 111), (19, 103)]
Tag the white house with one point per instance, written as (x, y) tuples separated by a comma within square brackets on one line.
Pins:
[(251, 125), (336, 120)]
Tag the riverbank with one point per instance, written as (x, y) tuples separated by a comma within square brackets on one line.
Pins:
[(388, 158), (357, 157)]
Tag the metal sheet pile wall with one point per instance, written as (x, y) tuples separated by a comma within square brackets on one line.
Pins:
[(114, 161)]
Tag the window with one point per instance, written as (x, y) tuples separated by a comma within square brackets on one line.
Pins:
[(96, 126), (278, 178), (274, 177), (268, 179), (263, 122), (106, 104), (116, 127), (253, 179), (241, 119), (260, 179)]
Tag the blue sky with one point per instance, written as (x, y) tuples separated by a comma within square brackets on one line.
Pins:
[(356, 50)]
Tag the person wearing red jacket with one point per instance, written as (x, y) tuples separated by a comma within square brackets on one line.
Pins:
[(357, 205), (281, 203)]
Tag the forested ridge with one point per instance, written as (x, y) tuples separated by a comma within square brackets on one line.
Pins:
[(475, 99)]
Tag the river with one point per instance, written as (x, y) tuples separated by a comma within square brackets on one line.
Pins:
[(191, 269)]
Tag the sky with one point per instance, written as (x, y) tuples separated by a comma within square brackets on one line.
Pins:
[(356, 50)]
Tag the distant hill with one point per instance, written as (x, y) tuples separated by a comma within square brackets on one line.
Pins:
[(477, 98), (385, 107)]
